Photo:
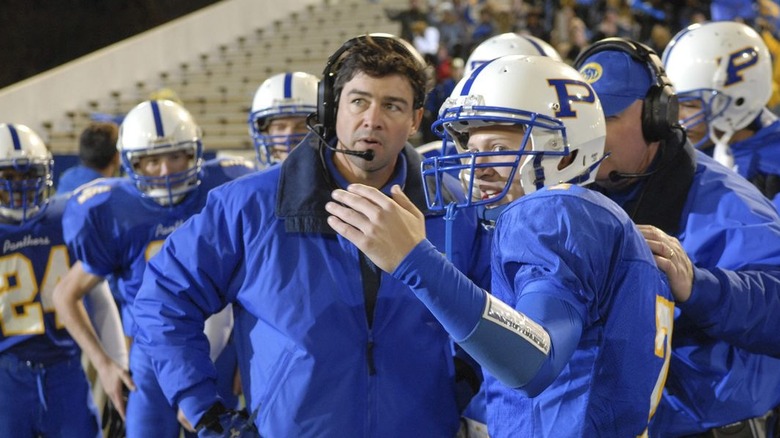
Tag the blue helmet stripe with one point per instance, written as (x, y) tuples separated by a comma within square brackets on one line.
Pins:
[(288, 77), (674, 41), (15, 138), (158, 124), (536, 45), (467, 86)]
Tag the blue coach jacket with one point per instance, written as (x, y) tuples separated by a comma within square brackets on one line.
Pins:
[(316, 367)]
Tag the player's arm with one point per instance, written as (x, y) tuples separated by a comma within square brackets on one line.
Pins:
[(736, 306), (104, 316), (739, 307), (523, 347), (509, 344), (68, 295)]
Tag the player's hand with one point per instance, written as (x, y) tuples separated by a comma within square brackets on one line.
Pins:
[(185, 423), (384, 229), (116, 381), (219, 422), (237, 388), (113, 425), (672, 259)]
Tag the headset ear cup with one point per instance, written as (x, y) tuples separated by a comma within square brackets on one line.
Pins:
[(320, 101), (326, 106), (660, 113), (672, 107), (652, 120), (325, 103)]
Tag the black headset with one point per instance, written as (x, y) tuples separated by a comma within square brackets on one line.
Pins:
[(327, 102), (660, 112)]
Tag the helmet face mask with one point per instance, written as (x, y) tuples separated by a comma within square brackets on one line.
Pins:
[(284, 96), (697, 109), (26, 181), (727, 66), (280, 136), (161, 130), (554, 112), (487, 170)]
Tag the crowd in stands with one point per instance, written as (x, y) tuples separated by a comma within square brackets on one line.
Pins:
[(458, 26), (445, 32)]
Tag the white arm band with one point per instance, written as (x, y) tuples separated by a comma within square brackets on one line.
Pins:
[(508, 344), (108, 325), (217, 328)]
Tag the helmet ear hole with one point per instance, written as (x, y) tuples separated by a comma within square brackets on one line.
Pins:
[(568, 160)]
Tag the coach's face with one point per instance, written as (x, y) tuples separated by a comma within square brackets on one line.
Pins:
[(374, 114)]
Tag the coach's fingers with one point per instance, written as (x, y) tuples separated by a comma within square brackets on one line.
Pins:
[(400, 197), (345, 215)]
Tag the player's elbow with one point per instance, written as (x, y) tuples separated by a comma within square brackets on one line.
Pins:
[(62, 300)]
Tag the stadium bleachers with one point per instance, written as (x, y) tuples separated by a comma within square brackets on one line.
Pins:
[(218, 86)]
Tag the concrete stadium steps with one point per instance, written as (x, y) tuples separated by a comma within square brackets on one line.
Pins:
[(217, 87)]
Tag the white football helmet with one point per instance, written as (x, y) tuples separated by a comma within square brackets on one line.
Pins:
[(508, 44), (26, 181), (727, 68), (157, 127), (559, 110), (281, 95)]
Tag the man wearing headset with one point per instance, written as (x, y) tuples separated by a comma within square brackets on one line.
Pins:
[(334, 346), (712, 232)]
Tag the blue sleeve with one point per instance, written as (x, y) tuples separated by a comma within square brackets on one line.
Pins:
[(739, 307), (480, 271), (490, 331), (88, 232), (452, 298), (186, 282), (523, 351), (732, 236)]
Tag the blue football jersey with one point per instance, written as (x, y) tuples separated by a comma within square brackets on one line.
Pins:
[(573, 244), (34, 257), (114, 230)]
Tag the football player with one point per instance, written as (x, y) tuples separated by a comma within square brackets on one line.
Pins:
[(114, 226), (723, 75), (574, 336), (277, 121), (43, 389)]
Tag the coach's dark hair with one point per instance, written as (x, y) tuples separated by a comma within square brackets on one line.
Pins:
[(97, 144), (376, 55)]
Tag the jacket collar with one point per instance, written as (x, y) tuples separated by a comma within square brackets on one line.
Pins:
[(305, 186), (660, 198)]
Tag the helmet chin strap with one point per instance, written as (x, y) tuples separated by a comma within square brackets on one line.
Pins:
[(18, 215), (722, 151), (164, 197)]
